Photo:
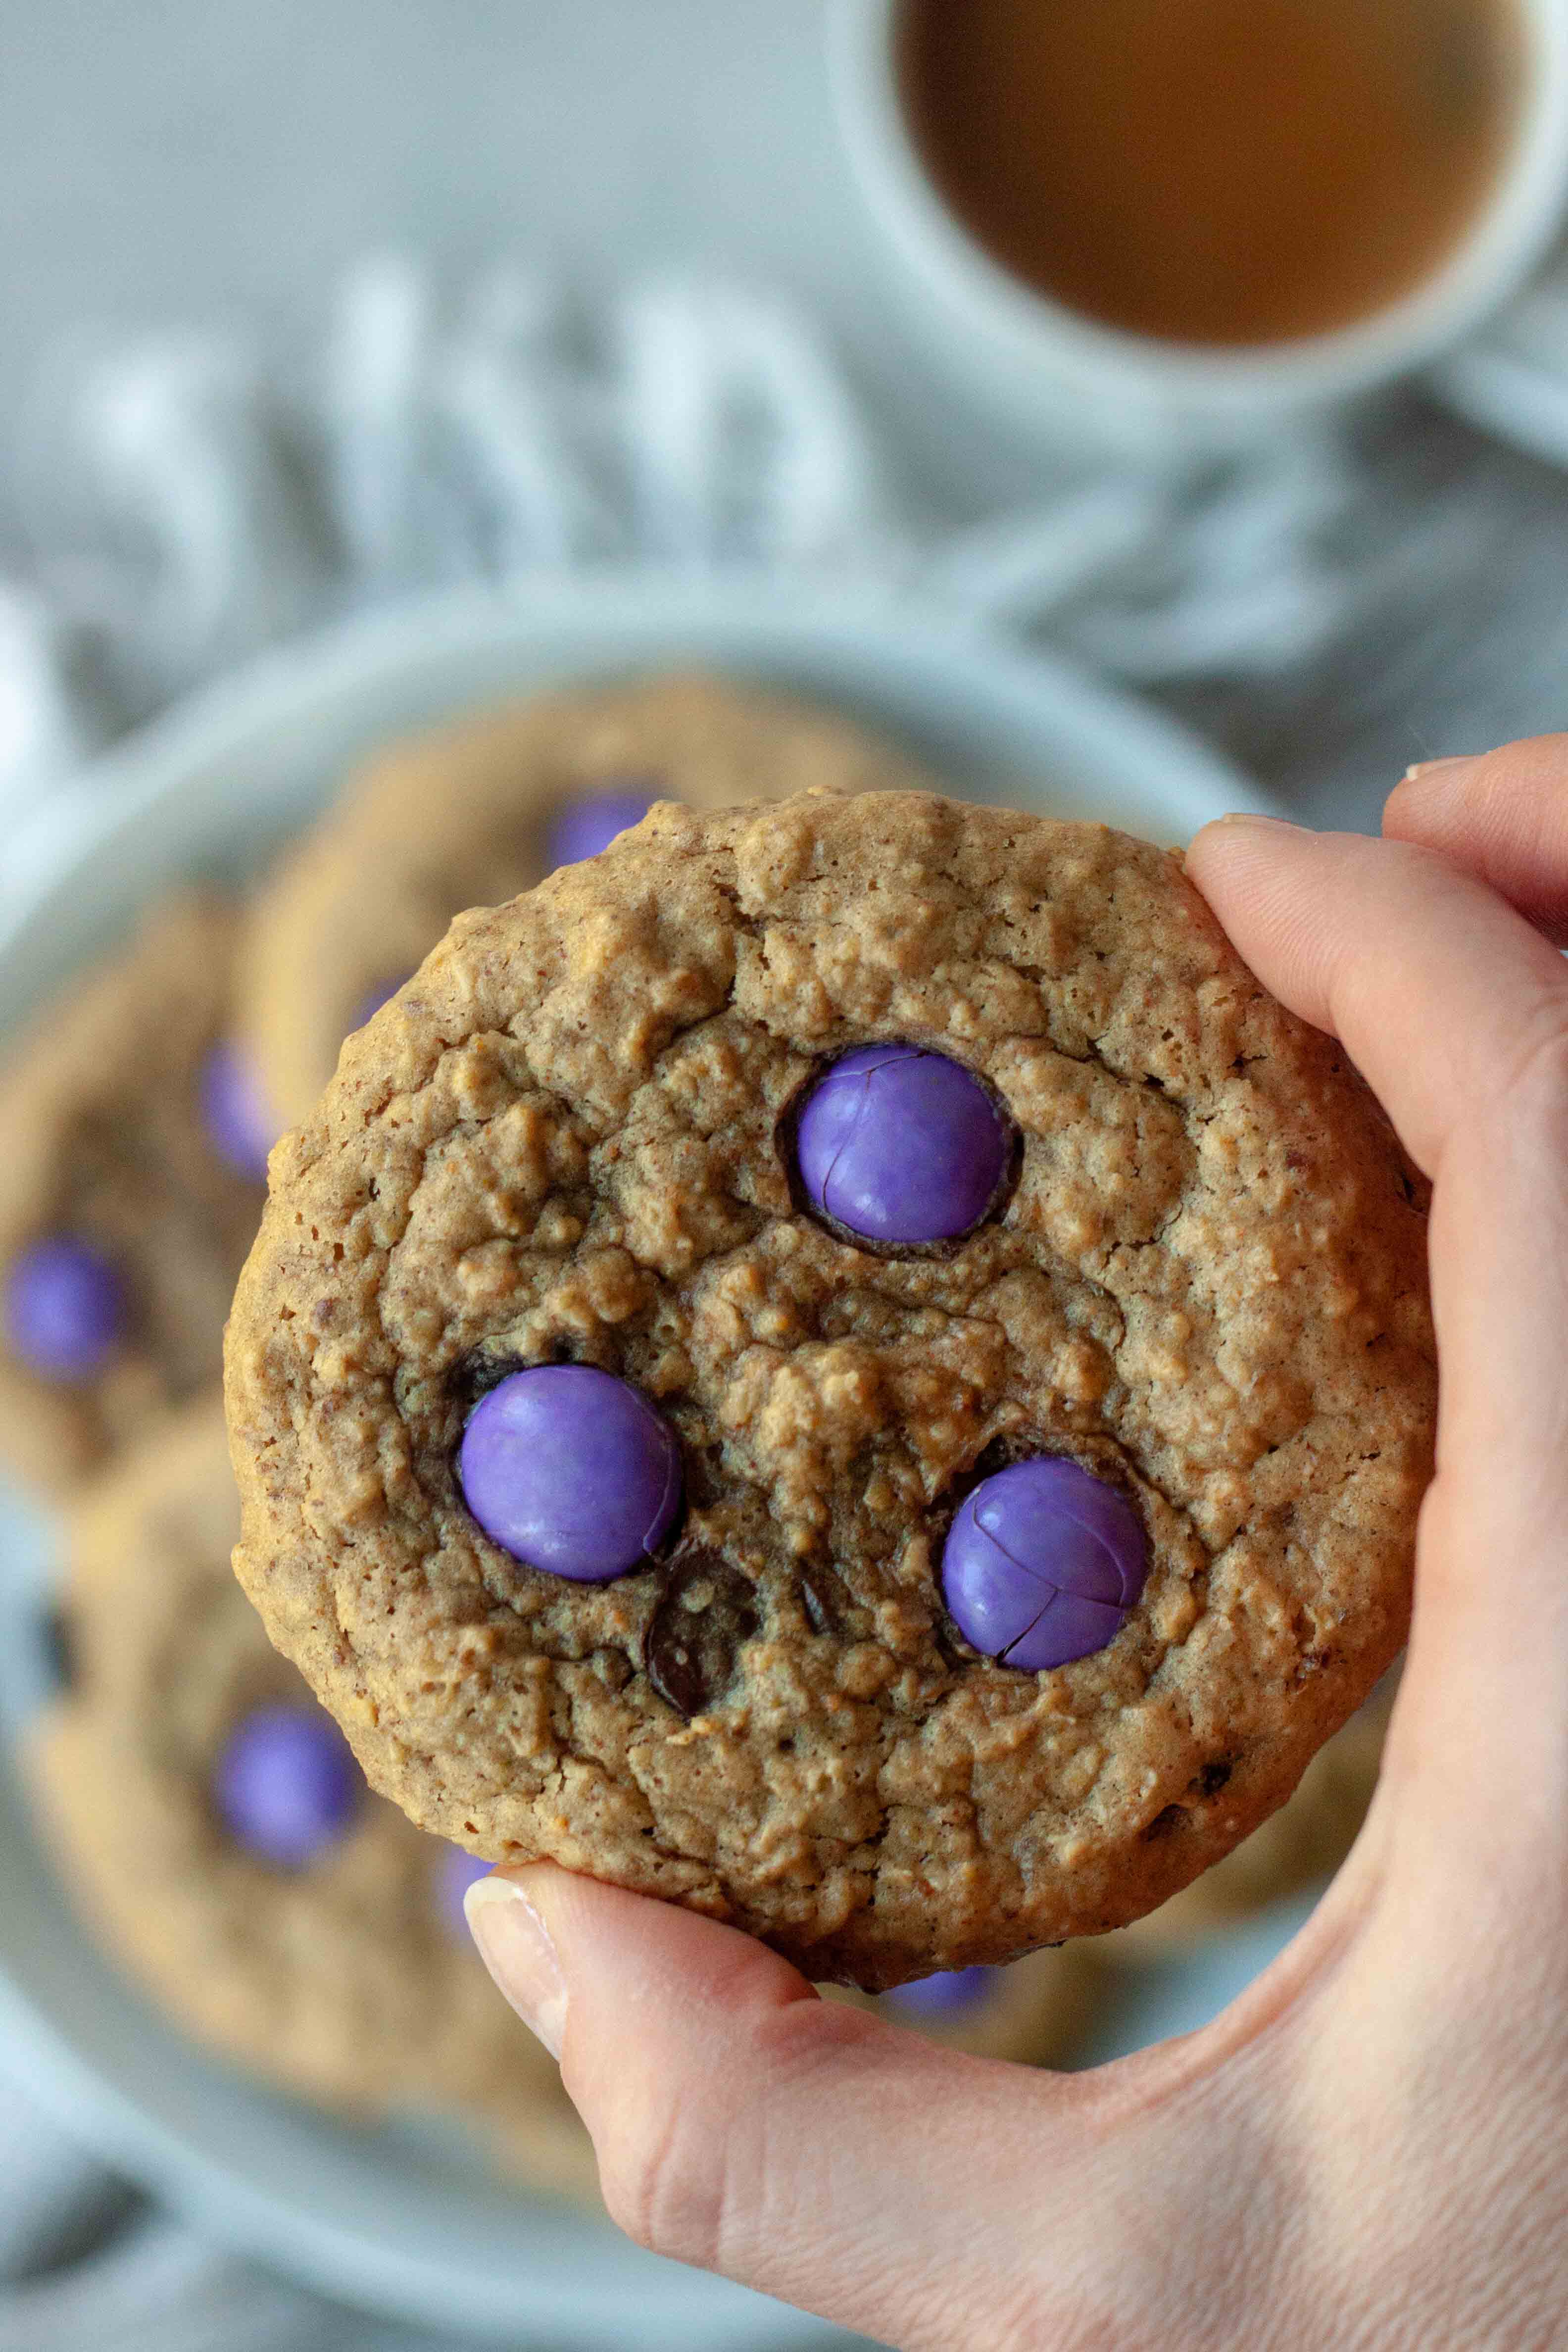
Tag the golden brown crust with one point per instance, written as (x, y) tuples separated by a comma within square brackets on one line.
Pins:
[(459, 816), (562, 1138), (104, 1140)]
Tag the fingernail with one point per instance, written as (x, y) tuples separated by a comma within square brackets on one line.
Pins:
[(514, 1945), (1256, 816), (1433, 767)]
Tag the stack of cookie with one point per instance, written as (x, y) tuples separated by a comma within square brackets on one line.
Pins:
[(209, 1817)]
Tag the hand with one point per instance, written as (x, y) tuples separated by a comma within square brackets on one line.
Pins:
[(1371, 2146)]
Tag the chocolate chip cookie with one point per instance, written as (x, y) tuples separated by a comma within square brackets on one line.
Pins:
[(129, 1191), (218, 1833), (475, 812), (844, 1365)]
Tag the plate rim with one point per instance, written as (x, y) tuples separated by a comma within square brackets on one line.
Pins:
[(116, 785)]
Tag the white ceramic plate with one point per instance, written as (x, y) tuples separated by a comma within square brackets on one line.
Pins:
[(400, 2220)]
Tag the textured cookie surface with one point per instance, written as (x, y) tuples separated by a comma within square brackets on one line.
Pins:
[(568, 1138), (1293, 1852), (106, 1143), (462, 817), (346, 1979)]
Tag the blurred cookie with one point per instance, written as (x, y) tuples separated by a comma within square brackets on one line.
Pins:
[(1297, 1848), (470, 814), (129, 1190), (846, 1365), (1036, 2011), (214, 1825)]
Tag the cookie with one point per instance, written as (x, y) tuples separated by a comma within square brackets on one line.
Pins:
[(218, 1834), (1295, 1851), (129, 1191), (655, 1464), (472, 813)]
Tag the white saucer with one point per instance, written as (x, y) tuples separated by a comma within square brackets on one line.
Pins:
[(401, 2222)]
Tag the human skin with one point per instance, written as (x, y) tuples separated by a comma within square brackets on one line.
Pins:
[(1370, 2147)]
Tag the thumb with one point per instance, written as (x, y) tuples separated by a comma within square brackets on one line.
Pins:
[(745, 2125)]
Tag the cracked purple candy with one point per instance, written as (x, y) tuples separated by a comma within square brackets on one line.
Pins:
[(285, 1784), (64, 1308), (571, 1471), (238, 1119), (902, 1146), (1042, 1564), (583, 827), (951, 1992), (455, 1872)]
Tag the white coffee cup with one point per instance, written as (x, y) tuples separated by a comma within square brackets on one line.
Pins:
[(1056, 377)]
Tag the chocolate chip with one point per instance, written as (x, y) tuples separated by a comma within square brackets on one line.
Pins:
[(1163, 1824), (707, 1610), (825, 1601)]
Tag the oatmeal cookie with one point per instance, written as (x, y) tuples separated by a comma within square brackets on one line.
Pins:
[(844, 1365), (474, 812), (129, 1195)]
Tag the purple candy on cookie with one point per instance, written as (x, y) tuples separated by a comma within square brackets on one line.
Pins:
[(237, 1116), (1043, 1563), (64, 1308), (286, 1785), (585, 826), (571, 1471), (899, 1145)]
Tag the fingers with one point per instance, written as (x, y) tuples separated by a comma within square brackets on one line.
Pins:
[(1441, 996), (1504, 816), (1457, 1012), (745, 2125)]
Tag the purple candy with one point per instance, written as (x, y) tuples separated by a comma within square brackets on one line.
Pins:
[(1042, 1564), (571, 1471), (285, 1784), (64, 1308), (585, 826), (950, 1993), (902, 1146), (455, 1872), (239, 1120)]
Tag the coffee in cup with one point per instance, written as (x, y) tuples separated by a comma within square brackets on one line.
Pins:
[(1229, 171), (1162, 224)]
